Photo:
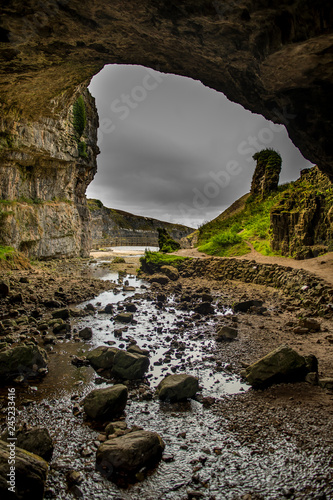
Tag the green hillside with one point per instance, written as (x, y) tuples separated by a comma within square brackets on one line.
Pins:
[(227, 234)]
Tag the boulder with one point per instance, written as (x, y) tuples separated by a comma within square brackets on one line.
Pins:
[(25, 359), (204, 308), (102, 357), (129, 453), (37, 440), (171, 272), (135, 349), (4, 289), (246, 306), (130, 365), (310, 324), (29, 473), (61, 313), (106, 404), (124, 317), (177, 387), (113, 427), (86, 333), (281, 365), (227, 333), (130, 307), (108, 309), (159, 278)]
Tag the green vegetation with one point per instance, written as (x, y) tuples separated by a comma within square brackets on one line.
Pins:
[(7, 141), (6, 252), (79, 124), (227, 237), (79, 116), (166, 243), (153, 261), (82, 149), (94, 204)]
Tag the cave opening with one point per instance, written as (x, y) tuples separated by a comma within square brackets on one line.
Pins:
[(175, 150)]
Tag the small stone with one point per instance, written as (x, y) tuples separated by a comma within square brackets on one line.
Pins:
[(86, 333)]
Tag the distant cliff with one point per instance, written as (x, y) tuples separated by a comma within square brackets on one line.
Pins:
[(110, 227)]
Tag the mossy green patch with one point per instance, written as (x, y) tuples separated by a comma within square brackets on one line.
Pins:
[(79, 116)]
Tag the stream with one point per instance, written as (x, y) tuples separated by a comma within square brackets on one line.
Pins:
[(200, 455)]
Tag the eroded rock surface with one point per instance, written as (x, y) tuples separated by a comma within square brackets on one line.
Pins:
[(274, 59)]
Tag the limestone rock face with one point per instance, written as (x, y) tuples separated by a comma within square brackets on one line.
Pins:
[(267, 173), (106, 404), (129, 453), (177, 387), (44, 179), (30, 474), (273, 58), (110, 227), (282, 364), (24, 359), (302, 223)]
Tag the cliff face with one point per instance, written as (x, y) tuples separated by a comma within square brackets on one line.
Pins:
[(302, 222), (43, 179), (274, 58), (110, 227)]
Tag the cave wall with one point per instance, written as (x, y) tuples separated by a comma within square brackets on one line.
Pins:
[(274, 58)]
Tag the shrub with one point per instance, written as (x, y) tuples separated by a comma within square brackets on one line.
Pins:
[(166, 243), (79, 115), (153, 261)]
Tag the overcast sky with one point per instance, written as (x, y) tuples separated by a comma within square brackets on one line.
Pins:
[(176, 150)]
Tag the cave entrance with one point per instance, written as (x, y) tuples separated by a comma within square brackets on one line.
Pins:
[(174, 149)]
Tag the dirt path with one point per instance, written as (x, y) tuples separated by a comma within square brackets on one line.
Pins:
[(321, 266)]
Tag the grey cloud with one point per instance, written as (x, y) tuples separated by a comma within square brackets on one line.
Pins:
[(162, 158)]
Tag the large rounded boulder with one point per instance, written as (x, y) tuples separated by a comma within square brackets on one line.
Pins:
[(177, 387), (281, 365), (106, 404), (127, 454), (26, 359), (102, 357), (130, 365)]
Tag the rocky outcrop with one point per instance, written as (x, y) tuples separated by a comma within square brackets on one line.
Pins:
[(267, 173), (274, 59), (302, 222), (110, 227)]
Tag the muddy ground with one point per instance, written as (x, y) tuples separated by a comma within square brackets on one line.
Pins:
[(296, 412)]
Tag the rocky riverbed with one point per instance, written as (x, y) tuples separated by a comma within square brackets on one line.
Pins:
[(230, 442)]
